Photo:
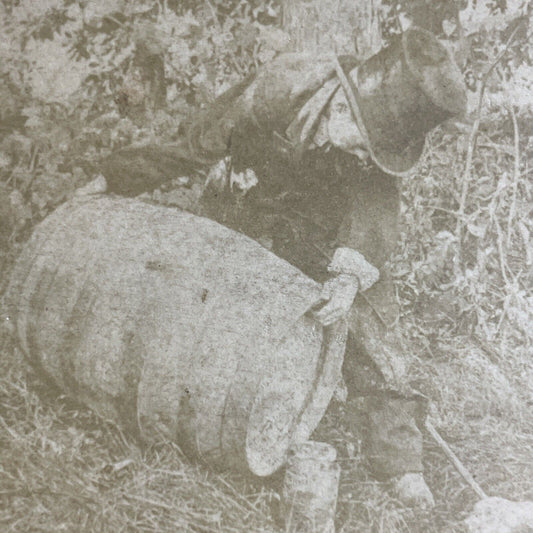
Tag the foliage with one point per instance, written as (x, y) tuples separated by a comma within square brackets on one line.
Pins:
[(73, 75), (479, 285), (470, 221), (75, 83)]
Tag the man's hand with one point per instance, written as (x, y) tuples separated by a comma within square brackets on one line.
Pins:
[(339, 293)]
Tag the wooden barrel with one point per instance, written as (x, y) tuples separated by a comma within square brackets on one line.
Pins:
[(176, 327)]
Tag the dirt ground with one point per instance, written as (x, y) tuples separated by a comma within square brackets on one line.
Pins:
[(64, 469)]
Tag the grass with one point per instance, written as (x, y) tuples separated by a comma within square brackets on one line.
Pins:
[(64, 469)]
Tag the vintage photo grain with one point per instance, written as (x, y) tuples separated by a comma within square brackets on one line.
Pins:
[(266, 266)]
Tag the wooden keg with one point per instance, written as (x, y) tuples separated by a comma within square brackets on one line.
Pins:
[(177, 328)]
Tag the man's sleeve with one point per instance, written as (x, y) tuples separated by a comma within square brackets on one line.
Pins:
[(371, 225)]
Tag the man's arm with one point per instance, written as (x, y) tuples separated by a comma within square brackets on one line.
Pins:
[(367, 237), (371, 226), (136, 169)]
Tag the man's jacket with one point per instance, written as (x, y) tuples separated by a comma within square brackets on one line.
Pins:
[(282, 106)]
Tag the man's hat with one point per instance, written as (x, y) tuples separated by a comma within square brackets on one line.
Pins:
[(402, 93)]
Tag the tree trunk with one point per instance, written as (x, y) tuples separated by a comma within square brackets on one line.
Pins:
[(339, 26)]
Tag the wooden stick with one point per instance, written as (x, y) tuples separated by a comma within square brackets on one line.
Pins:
[(460, 467)]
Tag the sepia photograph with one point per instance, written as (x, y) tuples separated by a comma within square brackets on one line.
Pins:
[(266, 266)]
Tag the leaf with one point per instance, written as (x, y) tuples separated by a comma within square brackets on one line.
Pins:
[(5, 161), (477, 230), (53, 76), (448, 27), (273, 38)]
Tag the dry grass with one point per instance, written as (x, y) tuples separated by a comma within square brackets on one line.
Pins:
[(484, 416), (61, 467), (59, 463), (60, 470)]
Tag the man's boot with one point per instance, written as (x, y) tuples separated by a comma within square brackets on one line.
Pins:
[(393, 445), (411, 489)]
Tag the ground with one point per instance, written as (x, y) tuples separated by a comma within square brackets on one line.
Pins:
[(64, 469)]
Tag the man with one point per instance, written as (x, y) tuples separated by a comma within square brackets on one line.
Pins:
[(316, 146)]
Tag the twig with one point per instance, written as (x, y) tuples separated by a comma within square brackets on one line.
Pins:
[(516, 174), (214, 15), (504, 313), (11, 175), (473, 137), (149, 501), (238, 495), (503, 264), (444, 210), (15, 436), (460, 467), (113, 19), (498, 147)]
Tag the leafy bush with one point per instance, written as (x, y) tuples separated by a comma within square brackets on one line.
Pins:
[(78, 79), (74, 82)]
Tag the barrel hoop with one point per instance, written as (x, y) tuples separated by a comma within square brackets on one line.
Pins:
[(22, 285), (37, 305), (75, 326), (133, 355)]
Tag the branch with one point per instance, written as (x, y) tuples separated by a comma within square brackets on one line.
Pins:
[(473, 137), (214, 16), (459, 466), (113, 19), (516, 174)]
